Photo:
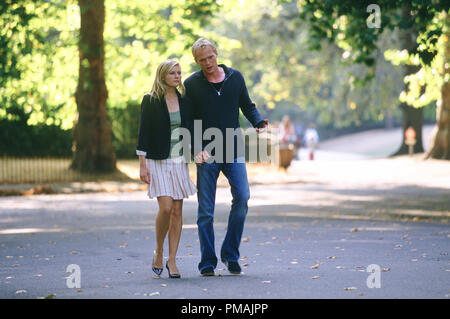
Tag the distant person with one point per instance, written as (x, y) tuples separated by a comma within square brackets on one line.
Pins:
[(288, 142), (287, 132), (311, 139), (163, 168), (299, 132)]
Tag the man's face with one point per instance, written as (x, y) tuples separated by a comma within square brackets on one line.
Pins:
[(207, 59)]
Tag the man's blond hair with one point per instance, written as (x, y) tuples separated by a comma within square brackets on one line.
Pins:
[(203, 43)]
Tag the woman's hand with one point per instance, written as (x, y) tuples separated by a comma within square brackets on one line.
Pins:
[(201, 157), (144, 174)]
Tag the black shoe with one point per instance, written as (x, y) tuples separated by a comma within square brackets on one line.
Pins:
[(157, 271), (233, 267), (208, 271), (172, 275)]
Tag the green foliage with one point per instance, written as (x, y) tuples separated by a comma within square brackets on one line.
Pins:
[(424, 86), (39, 54), (19, 139), (125, 125), (40, 69), (15, 17), (264, 39), (284, 77), (345, 22)]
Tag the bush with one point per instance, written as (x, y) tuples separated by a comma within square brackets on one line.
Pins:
[(19, 139), (125, 126)]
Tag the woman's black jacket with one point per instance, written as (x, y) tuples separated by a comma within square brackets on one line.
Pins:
[(154, 126)]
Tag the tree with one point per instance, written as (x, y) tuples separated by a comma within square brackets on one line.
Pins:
[(441, 135), (270, 48), (346, 22), (92, 131)]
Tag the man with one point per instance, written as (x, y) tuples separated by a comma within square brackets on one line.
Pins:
[(217, 92)]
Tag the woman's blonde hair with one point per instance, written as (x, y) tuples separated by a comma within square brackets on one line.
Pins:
[(160, 87), (203, 43)]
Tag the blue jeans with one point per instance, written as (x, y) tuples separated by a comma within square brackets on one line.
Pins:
[(207, 175)]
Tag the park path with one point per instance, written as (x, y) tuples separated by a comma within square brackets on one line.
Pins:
[(311, 236), (310, 239)]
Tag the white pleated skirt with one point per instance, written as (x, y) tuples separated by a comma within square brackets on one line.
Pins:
[(169, 177)]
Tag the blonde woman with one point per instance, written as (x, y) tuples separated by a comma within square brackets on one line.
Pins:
[(162, 164)]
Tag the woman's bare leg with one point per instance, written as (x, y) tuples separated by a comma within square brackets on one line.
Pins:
[(175, 227), (162, 223)]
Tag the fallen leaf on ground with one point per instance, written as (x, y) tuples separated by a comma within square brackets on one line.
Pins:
[(156, 293)]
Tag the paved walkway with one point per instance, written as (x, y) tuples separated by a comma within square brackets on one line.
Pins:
[(311, 232), (310, 239)]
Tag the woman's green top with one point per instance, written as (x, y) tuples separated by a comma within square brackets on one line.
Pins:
[(175, 123)]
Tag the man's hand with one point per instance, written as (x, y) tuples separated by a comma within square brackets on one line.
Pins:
[(201, 157), (263, 126)]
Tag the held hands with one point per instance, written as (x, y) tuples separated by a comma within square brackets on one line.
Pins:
[(201, 157)]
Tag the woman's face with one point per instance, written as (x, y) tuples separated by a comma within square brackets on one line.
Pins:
[(173, 78)]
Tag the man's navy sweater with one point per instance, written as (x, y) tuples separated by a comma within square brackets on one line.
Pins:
[(219, 108)]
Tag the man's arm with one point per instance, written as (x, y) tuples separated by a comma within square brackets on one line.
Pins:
[(198, 155), (249, 108)]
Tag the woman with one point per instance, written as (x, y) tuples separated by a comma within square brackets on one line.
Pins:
[(162, 167), (287, 131), (288, 142)]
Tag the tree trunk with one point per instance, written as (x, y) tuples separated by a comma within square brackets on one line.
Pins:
[(440, 148), (92, 131), (411, 116)]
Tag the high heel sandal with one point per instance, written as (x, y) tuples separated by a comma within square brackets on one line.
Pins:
[(156, 270), (172, 275)]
